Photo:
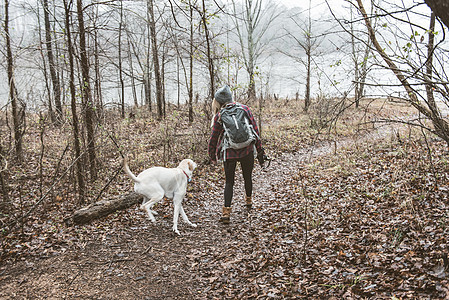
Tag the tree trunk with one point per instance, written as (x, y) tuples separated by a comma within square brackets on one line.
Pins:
[(120, 71), (250, 19), (429, 63), (17, 120), (441, 127), (308, 48), (133, 80), (157, 73), (440, 8), (178, 83), (87, 99), (191, 67), (4, 204), (147, 71), (356, 64), (51, 62), (105, 207), (75, 125), (209, 54), (98, 97), (307, 100), (364, 71), (51, 112), (164, 104)]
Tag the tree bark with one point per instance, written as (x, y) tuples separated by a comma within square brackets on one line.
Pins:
[(86, 92), (4, 203), (131, 71), (147, 71), (440, 8), (75, 125), (12, 89), (105, 207), (120, 70), (308, 49), (51, 62), (429, 64), (209, 52), (157, 73), (191, 66), (98, 97)]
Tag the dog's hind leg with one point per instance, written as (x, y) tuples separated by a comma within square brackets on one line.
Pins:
[(184, 217), (145, 201), (148, 205)]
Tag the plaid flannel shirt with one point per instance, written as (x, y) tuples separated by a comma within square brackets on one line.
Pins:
[(217, 137)]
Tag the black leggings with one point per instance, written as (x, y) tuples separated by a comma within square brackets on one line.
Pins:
[(247, 164)]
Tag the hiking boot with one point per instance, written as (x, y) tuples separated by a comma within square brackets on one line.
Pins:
[(226, 215), (248, 202)]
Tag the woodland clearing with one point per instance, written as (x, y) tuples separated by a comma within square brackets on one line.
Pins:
[(356, 212)]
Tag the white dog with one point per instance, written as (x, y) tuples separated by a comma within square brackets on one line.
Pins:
[(155, 183)]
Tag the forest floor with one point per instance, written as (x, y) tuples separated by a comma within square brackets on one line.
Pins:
[(362, 217)]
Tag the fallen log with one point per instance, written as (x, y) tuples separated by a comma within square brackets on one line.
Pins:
[(105, 207)]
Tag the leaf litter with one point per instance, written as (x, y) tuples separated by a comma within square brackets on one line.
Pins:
[(369, 221)]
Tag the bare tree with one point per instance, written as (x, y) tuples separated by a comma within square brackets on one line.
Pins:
[(251, 23), (191, 62), (131, 71), (360, 66), (45, 72), (429, 109), (75, 122), (157, 74), (147, 65), (52, 64), (86, 92), (210, 61), (429, 63), (305, 41), (120, 68), (98, 95), (17, 111), (184, 45)]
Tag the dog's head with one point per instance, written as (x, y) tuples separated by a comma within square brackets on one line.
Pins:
[(188, 165)]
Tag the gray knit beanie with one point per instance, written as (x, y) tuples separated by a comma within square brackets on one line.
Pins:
[(223, 95)]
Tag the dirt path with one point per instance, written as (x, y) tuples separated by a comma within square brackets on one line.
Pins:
[(128, 258)]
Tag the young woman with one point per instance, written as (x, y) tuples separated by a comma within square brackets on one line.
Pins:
[(230, 156)]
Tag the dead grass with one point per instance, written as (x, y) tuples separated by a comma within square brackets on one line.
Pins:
[(147, 142), (287, 128)]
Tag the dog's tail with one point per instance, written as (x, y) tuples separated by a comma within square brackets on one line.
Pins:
[(128, 171)]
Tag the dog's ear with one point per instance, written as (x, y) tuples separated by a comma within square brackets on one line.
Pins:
[(191, 165)]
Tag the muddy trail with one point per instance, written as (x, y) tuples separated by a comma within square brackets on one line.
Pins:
[(271, 251)]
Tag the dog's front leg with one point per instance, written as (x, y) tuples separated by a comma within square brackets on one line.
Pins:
[(175, 218), (184, 217), (177, 201)]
